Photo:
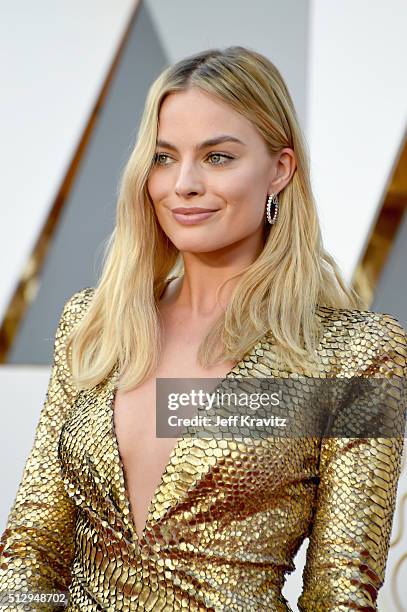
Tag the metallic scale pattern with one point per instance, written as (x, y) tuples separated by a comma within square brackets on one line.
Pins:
[(228, 517)]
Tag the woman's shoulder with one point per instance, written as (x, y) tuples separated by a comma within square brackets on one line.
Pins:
[(75, 307), (360, 321), (80, 299), (368, 335)]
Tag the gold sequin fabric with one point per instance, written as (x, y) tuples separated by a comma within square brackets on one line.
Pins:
[(228, 516)]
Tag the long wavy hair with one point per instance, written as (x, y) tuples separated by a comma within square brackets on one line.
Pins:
[(277, 293)]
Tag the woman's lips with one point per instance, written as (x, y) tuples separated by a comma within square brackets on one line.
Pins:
[(193, 218)]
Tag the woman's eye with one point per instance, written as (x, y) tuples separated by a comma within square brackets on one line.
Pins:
[(220, 155), (158, 156)]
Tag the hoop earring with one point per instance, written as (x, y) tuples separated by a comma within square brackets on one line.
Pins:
[(272, 200)]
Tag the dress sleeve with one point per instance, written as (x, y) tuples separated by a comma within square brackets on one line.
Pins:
[(36, 548), (358, 478)]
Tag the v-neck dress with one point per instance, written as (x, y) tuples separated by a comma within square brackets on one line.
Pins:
[(229, 515)]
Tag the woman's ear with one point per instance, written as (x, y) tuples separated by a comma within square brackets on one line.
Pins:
[(283, 169)]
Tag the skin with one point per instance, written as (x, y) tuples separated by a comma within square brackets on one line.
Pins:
[(184, 176)]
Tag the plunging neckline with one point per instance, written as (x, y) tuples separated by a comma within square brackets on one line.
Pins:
[(140, 540)]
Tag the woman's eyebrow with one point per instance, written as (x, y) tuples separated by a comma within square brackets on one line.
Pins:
[(206, 143)]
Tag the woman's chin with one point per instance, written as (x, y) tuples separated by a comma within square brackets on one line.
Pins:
[(201, 245)]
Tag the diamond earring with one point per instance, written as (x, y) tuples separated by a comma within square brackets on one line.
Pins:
[(272, 200)]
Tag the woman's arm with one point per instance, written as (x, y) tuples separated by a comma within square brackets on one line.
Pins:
[(36, 548), (349, 541)]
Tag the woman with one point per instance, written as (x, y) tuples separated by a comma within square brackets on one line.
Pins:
[(130, 521)]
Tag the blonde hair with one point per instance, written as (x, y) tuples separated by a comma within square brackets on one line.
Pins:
[(278, 292)]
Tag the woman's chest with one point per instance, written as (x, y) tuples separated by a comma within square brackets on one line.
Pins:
[(199, 479), (111, 437)]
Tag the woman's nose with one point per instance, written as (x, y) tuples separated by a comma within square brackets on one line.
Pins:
[(189, 181)]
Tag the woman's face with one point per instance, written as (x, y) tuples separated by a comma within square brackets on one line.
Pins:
[(231, 177)]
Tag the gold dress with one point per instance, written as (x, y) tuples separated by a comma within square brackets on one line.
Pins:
[(227, 517)]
